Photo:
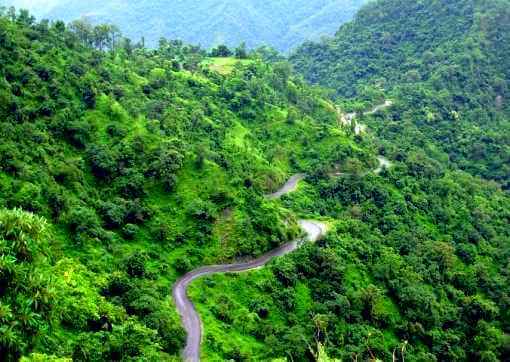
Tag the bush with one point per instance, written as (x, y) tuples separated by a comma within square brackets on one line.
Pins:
[(103, 162), (118, 285), (168, 161), (129, 231), (160, 231), (131, 185), (57, 201), (169, 330), (28, 197), (135, 265), (83, 221), (183, 265), (132, 340), (89, 95), (113, 213), (78, 133)]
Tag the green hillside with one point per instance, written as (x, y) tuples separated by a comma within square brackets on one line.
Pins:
[(123, 168), (282, 24), (139, 165), (445, 63)]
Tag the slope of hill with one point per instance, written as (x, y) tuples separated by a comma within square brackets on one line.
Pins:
[(140, 166), (280, 24), (446, 64), (123, 168)]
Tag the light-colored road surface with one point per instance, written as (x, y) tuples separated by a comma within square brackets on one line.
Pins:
[(359, 128), (189, 315), (290, 186), (378, 108), (384, 163)]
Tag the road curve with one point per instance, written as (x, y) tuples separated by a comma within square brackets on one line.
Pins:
[(384, 163), (189, 316), (290, 186), (313, 230), (359, 128)]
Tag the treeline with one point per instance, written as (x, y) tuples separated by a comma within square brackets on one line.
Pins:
[(197, 22)]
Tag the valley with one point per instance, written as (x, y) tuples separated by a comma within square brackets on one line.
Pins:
[(345, 200), (282, 25)]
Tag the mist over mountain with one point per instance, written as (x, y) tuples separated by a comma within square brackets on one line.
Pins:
[(281, 24)]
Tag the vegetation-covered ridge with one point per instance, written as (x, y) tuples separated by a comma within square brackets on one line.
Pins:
[(282, 24), (446, 65), (144, 164), (415, 267), (123, 168)]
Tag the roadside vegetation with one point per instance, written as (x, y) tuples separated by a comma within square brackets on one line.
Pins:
[(122, 168), (139, 165)]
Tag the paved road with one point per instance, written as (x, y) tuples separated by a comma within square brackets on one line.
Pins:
[(313, 229), (290, 186), (384, 163), (189, 315), (359, 128), (380, 107)]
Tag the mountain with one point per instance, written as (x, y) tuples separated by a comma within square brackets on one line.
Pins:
[(446, 65), (124, 168), (280, 24)]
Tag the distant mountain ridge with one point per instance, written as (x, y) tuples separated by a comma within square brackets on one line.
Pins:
[(281, 24)]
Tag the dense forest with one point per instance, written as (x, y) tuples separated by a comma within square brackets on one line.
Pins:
[(416, 264), (446, 65), (122, 168), (282, 24)]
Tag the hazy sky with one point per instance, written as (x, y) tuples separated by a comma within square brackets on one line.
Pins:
[(38, 7)]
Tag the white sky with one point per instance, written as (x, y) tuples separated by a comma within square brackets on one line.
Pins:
[(38, 7)]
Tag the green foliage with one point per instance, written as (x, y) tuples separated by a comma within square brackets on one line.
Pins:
[(26, 307), (446, 66), (393, 271), (417, 262), (283, 24), (146, 164)]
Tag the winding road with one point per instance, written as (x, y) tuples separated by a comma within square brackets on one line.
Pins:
[(347, 118), (313, 230), (290, 186), (384, 163), (189, 315)]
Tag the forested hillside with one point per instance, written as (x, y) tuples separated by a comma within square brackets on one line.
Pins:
[(123, 168), (446, 65), (281, 24), (139, 165)]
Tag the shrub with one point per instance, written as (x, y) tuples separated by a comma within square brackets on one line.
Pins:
[(135, 265), (113, 213), (129, 231), (83, 221), (131, 185), (103, 162)]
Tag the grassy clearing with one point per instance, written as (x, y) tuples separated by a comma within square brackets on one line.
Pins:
[(224, 66)]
